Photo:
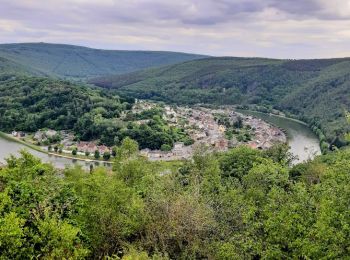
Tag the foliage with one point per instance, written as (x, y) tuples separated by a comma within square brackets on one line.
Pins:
[(29, 104), (240, 204)]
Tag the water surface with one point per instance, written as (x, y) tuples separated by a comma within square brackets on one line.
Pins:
[(302, 141), (8, 147)]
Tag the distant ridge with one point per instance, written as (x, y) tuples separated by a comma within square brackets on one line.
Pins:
[(70, 61)]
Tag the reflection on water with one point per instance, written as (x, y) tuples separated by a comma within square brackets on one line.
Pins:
[(8, 147), (302, 141)]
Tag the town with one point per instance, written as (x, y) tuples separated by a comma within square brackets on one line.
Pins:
[(216, 129)]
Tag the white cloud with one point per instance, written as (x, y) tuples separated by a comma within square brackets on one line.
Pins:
[(273, 28)]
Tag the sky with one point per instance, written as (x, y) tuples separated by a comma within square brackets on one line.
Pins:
[(249, 28)]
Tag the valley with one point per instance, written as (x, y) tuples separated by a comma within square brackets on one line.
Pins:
[(216, 129), (179, 143), (213, 128)]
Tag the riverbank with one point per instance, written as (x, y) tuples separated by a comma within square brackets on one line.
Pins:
[(38, 149), (271, 114), (302, 140)]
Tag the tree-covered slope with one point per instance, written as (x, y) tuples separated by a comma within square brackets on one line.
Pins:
[(32, 103), (8, 66), (315, 90), (68, 61), (241, 204)]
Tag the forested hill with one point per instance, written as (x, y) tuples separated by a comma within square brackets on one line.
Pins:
[(68, 61), (317, 91)]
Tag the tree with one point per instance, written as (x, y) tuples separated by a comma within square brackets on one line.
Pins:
[(129, 148), (11, 235), (97, 154), (238, 123), (74, 151), (165, 147), (114, 151), (106, 155)]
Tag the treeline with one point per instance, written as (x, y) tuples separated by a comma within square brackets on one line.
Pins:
[(242, 204)]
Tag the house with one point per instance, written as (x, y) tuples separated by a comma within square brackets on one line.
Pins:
[(102, 149), (221, 144), (50, 133), (39, 136), (252, 145), (145, 152), (86, 147), (91, 147), (178, 149), (82, 146), (142, 122)]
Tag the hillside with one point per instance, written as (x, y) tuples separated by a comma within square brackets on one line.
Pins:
[(240, 204), (31, 104), (316, 91), (68, 61)]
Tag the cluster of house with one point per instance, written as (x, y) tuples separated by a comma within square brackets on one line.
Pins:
[(142, 105), (266, 135), (179, 152), (43, 135), (203, 129), (170, 115), (91, 147), (199, 123), (18, 134)]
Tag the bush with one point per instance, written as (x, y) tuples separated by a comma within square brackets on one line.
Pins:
[(97, 154), (106, 156), (165, 147)]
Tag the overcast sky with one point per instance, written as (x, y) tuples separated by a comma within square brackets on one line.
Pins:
[(264, 28)]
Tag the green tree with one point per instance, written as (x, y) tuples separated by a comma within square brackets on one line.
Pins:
[(106, 155), (97, 154), (165, 147)]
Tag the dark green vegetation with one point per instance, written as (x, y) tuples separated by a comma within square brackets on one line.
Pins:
[(242, 204), (316, 91), (29, 104), (75, 62)]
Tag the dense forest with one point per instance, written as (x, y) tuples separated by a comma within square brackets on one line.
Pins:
[(241, 204), (75, 62), (29, 104), (316, 91)]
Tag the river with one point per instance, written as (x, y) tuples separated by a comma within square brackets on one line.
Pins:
[(8, 147), (302, 141)]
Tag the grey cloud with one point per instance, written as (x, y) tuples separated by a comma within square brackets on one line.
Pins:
[(218, 27)]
